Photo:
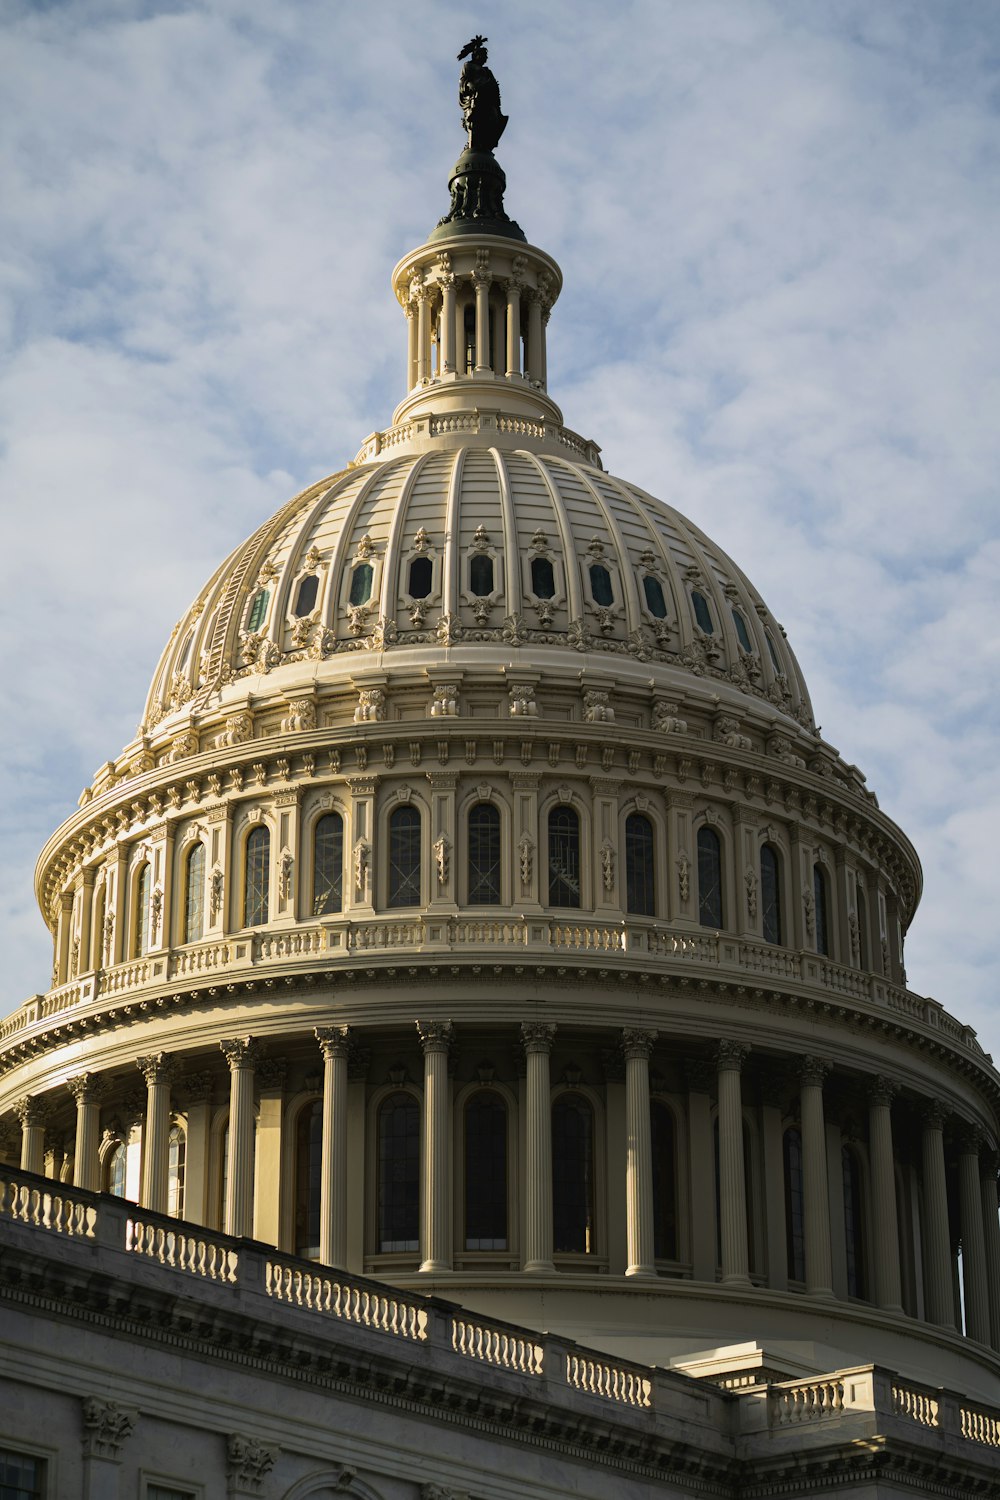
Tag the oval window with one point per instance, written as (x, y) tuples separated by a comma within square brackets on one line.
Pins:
[(655, 602), (702, 613), (258, 609), (600, 585), (481, 576), (543, 581), (305, 600), (421, 577), (361, 584), (742, 634), (772, 653)]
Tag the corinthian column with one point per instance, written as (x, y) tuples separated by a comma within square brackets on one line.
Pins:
[(537, 1038), (729, 1059), (638, 1047), (937, 1239), (481, 280), (435, 1180), (241, 1053), (32, 1114), (335, 1045), (448, 324), (158, 1069), (976, 1287), (87, 1090), (815, 1182), (991, 1238), (888, 1291)]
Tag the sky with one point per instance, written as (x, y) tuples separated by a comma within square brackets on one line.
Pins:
[(778, 225)]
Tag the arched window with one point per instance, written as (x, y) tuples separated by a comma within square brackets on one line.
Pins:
[(308, 1170), (176, 1154), (484, 855), (543, 580), (772, 653), (742, 633), (854, 1224), (194, 893), (655, 602), (97, 926), (709, 878), (404, 857), (702, 613), (398, 1174), (600, 585), (305, 598), (573, 1174), (640, 892), (421, 577), (256, 877), (140, 914), (481, 575), (361, 584), (115, 1170), (822, 910), (486, 1171), (328, 865), (795, 1240), (564, 857), (664, 1153), (258, 609), (770, 894), (861, 906)]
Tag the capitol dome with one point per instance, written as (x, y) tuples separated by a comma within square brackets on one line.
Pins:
[(479, 908)]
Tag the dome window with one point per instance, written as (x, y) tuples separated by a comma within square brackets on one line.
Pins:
[(640, 897), (772, 653), (655, 602), (484, 855), (421, 577), (256, 876), (821, 901), (404, 857), (742, 634), (709, 878), (194, 894), (702, 613), (361, 584), (600, 585), (140, 915), (564, 857), (305, 600), (770, 894), (481, 576), (328, 865), (258, 609), (543, 579)]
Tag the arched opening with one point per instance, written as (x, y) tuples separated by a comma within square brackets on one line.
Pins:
[(115, 1171), (328, 865), (770, 894), (640, 891), (256, 877), (484, 855), (795, 1239), (861, 907), (140, 913), (573, 1174), (854, 1227), (404, 857), (709, 878), (664, 1153), (308, 1169), (564, 857), (486, 1171), (822, 910), (194, 894), (398, 1174), (176, 1160)]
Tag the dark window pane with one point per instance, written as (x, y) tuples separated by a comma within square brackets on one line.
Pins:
[(600, 585), (257, 879), (486, 1172), (258, 609), (564, 857), (543, 582), (116, 1171), (328, 865), (655, 602), (772, 653), (21, 1477), (481, 575), (640, 895), (305, 601), (404, 857), (572, 1174), (742, 634), (194, 895), (822, 912), (140, 922), (421, 577), (484, 855), (864, 952), (361, 584), (702, 613), (709, 878), (794, 1220), (308, 1165), (770, 895), (664, 1183), (853, 1225), (399, 1174), (176, 1159)]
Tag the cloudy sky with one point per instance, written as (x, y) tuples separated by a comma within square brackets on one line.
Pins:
[(778, 223)]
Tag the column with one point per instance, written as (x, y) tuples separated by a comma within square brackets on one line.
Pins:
[(815, 1182), (411, 346), (537, 1038), (513, 329), (87, 1089), (729, 1059), (157, 1068), (63, 935), (937, 1239), (976, 1287), (481, 280), (543, 376), (448, 325), (991, 1238), (638, 1047), (86, 917), (885, 1230), (241, 1053), (32, 1114), (435, 1179), (334, 1043), (534, 370), (423, 337)]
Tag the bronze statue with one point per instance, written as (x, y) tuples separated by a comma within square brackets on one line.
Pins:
[(479, 96)]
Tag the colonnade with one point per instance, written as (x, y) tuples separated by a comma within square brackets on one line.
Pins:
[(436, 314)]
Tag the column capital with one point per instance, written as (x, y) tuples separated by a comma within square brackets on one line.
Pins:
[(334, 1041), (882, 1089), (157, 1067), (106, 1425), (537, 1036), (241, 1052), (813, 1070), (934, 1113), (32, 1109), (435, 1036), (88, 1088), (730, 1056), (247, 1461), (971, 1139), (638, 1043)]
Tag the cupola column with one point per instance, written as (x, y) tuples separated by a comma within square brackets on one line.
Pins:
[(334, 1043), (888, 1292), (513, 329), (158, 1070), (535, 361), (448, 323), (86, 919), (435, 1179), (991, 1238), (937, 1241), (975, 1285), (638, 1047), (815, 1181), (729, 1059), (241, 1054), (87, 1090), (423, 336), (32, 1114), (481, 280), (63, 936), (537, 1038), (411, 345)]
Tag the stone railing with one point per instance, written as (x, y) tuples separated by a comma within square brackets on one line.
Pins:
[(183, 1247), (26, 1199), (367, 1304), (510, 1348), (805, 1401), (475, 422), (615, 1382)]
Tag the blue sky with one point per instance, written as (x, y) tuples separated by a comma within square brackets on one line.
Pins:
[(778, 225)]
